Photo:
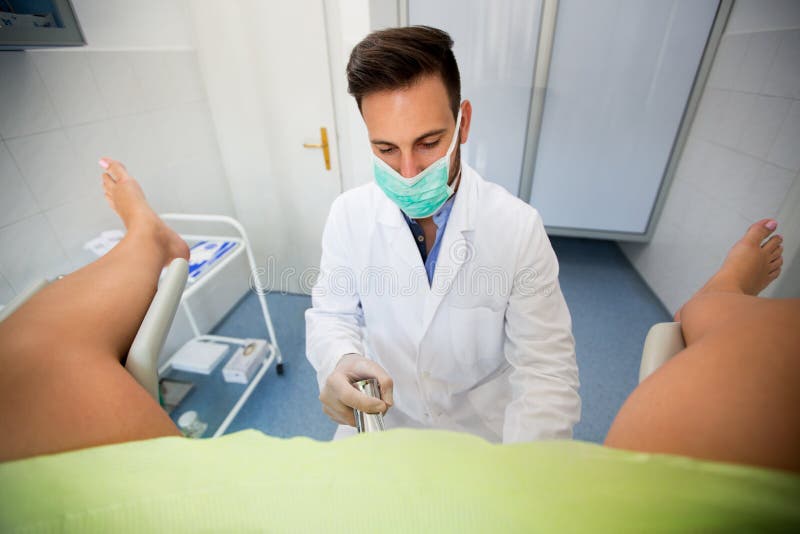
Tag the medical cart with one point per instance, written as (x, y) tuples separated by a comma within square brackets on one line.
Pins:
[(211, 390)]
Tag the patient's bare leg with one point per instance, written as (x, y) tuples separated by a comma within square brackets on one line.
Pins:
[(61, 383), (733, 394)]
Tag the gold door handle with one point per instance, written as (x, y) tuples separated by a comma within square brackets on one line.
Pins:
[(326, 153)]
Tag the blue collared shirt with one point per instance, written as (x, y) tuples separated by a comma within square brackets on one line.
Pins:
[(440, 220)]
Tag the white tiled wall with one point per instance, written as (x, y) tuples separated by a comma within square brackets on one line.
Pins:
[(742, 159), (60, 112)]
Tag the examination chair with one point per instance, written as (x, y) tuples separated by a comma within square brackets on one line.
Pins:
[(402, 480), (663, 341)]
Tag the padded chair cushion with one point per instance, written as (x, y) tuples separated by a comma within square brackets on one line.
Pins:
[(396, 481)]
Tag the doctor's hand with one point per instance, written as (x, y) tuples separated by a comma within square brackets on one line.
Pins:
[(339, 397)]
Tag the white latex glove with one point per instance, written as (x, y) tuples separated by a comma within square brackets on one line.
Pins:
[(339, 397)]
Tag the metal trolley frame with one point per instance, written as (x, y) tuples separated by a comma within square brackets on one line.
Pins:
[(243, 245)]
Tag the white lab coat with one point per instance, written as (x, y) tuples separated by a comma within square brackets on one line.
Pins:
[(487, 348)]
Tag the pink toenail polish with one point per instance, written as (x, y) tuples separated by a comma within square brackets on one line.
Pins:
[(771, 225), (103, 163)]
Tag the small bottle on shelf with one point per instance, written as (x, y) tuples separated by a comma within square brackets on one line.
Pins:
[(191, 425)]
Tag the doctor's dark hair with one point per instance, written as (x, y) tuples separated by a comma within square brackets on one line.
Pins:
[(395, 58)]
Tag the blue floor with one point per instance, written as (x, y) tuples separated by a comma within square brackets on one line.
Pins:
[(285, 405), (612, 309)]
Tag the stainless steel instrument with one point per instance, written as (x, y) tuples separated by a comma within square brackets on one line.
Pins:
[(368, 422)]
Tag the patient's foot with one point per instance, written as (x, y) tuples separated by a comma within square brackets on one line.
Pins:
[(126, 197), (751, 266)]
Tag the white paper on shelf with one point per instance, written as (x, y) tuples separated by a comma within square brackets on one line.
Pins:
[(198, 356)]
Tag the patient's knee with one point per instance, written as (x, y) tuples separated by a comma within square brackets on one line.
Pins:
[(696, 317), (706, 312)]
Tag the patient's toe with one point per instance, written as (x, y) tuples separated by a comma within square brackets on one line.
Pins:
[(760, 230)]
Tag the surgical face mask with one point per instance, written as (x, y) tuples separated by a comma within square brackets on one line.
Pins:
[(422, 195)]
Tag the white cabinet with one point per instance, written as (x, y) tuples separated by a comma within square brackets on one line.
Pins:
[(620, 76)]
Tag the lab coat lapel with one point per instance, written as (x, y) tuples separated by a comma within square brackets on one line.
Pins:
[(398, 236), (400, 254), (457, 246)]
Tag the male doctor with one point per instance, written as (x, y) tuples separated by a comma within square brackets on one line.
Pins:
[(441, 285)]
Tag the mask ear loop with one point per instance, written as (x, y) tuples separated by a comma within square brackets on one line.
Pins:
[(456, 135), (453, 187)]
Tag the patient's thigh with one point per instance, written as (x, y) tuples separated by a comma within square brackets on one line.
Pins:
[(70, 401), (731, 396)]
